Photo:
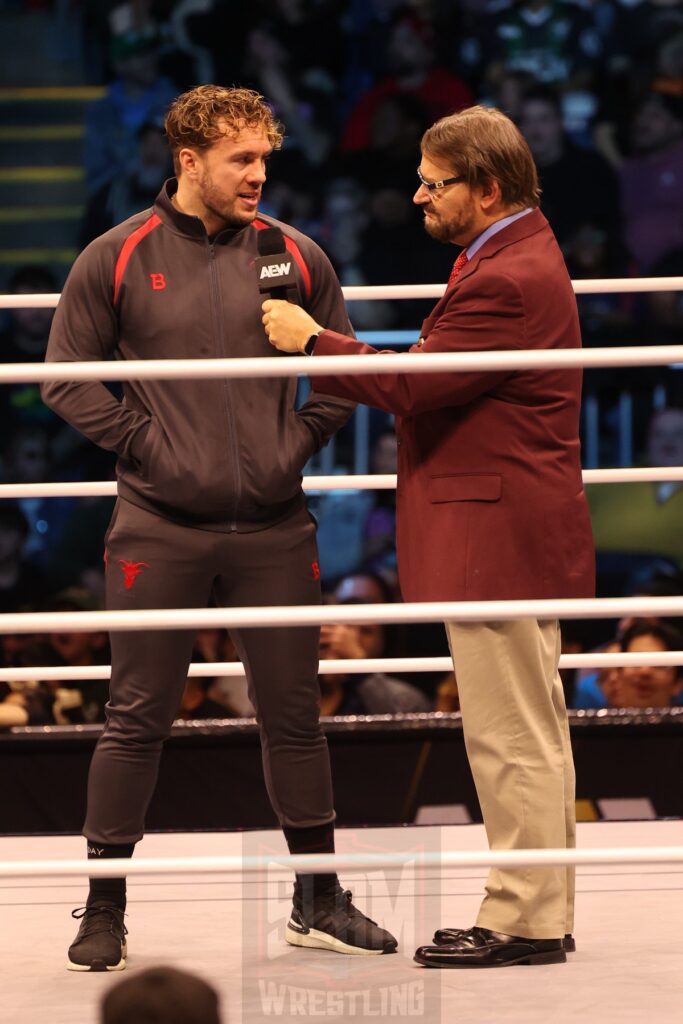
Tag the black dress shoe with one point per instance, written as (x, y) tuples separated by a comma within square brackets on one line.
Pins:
[(479, 947), (447, 936)]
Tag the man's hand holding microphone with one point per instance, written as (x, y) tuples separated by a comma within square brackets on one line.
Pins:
[(289, 327)]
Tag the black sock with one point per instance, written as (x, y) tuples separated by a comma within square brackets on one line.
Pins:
[(316, 839), (111, 889)]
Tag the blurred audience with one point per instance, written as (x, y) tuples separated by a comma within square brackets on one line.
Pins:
[(21, 582), (26, 459), (588, 689), (83, 700), (138, 94), (646, 686), (367, 693), (644, 518), (412, 65), (578, 187), (134, 188), (651, 179)]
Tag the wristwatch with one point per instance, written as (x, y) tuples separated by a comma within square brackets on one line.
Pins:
[(310, 344)]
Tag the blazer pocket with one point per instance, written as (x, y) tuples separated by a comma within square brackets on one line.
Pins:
[(459, 487)]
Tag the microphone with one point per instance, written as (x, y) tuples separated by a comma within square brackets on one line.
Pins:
[(275, 266)]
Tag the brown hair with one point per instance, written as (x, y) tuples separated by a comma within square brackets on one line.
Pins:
[(161, 994), (202, 116), (482, 143)]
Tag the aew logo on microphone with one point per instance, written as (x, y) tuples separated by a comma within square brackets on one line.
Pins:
[(275, 270), (274, 266)]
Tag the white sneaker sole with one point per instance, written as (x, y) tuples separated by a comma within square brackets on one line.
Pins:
[(120, 966), (314, 939)]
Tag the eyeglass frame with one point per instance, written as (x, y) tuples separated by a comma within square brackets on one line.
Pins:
[(436, 186)]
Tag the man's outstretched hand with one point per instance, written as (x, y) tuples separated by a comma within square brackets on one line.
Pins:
[(288, 326)]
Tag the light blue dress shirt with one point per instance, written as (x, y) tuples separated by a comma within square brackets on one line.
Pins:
[(492, 230)]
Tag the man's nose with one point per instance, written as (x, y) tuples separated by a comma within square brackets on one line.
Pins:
[(256, 174)]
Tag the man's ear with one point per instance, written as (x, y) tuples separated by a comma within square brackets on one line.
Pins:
[(189, 161), (489, 194)]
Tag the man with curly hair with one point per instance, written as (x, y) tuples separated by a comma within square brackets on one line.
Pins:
[(210, 505)]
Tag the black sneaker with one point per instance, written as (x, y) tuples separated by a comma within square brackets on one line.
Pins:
[(330, 921), (101, 941)]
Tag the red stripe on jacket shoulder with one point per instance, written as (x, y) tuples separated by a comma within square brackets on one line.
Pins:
[(127, 249), (294, 249)]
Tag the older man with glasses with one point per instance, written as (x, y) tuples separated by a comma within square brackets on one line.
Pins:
[(490, 505)]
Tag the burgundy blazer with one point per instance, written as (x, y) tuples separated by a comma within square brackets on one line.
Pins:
[(490, 502)]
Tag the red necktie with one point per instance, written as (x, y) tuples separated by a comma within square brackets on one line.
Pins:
[(457, 267)]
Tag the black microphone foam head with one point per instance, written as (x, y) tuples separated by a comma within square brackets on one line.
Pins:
[(270, 242)]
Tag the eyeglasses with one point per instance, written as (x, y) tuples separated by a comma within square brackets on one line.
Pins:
[(436, 186)]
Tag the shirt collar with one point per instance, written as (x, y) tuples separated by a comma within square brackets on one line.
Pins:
[(492, 230)]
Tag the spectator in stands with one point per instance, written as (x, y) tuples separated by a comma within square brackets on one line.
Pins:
[(644, 518), (652, 686), (84, 700), (379, 541), (197, 702), (21, 582), (578, 187), (134, 188), (607, 318), (589, 684), (341, 233), (370, 693), (666, 308), (161, 995), (24, 340), (25, 704), (651, 180), (412, 65), (396, 127), (138, 95), (555, 41), (215, 696), (26, 460), (302, 94)]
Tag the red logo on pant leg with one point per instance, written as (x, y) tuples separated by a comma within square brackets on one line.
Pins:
[(158, 282), (316, 570), (131, 570)]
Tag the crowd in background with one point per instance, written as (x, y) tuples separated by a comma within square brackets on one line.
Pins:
[(595, 86)]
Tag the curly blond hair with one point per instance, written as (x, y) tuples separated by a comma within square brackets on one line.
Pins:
[(203, 115)]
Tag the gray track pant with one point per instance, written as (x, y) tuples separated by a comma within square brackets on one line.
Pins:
[(154, 563)]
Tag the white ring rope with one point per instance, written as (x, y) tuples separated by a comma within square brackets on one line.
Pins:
[(361, 482), (588, 286), (337, 666), (307, 863), (313, 615), (332, 366)]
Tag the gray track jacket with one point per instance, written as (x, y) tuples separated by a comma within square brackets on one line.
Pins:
[(218, 454)]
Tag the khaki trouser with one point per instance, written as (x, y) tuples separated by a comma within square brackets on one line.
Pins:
[(517, 739)]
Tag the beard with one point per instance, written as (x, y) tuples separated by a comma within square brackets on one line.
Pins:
[(451, 229), (222, 207)]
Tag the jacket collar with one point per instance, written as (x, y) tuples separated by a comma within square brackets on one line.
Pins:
[(522, 228), (185, 223)]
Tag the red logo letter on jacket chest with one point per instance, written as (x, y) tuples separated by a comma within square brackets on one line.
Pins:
[(158, 282)]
